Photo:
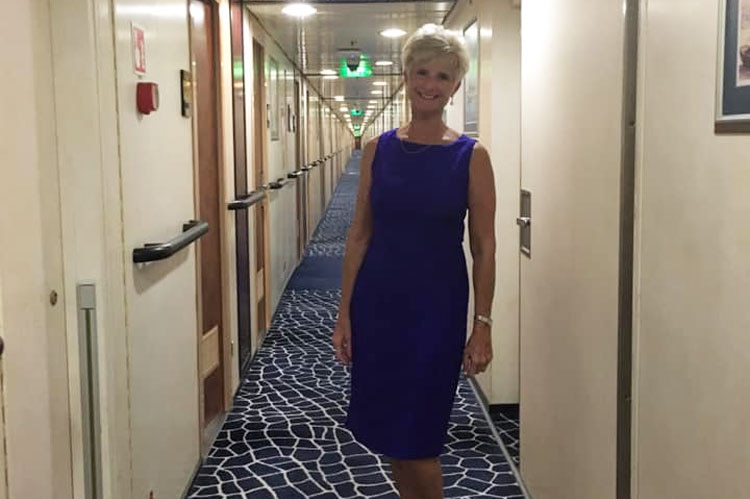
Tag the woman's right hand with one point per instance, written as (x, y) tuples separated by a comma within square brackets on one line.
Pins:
[(342, 340)]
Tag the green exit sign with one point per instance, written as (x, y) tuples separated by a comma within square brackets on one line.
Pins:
[(356, 112), (363, 70)]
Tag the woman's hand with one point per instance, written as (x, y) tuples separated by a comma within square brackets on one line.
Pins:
[(478, 351), (342, 340)]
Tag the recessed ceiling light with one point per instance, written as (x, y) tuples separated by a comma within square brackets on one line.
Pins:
[(330, 77), (379, 83), (373, 102), (343, 109), (393, 33), (384, 63), (300, 10), (377, 92), (338, 98), (328, 72)]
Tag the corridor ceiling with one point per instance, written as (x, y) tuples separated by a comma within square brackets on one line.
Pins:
[(318, 43)]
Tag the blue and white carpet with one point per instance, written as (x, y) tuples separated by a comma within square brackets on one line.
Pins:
[(285, 439)]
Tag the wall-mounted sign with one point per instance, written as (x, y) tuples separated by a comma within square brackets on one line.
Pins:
[(138, 40)]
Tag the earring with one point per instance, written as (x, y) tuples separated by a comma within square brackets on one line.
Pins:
[(451, 100)]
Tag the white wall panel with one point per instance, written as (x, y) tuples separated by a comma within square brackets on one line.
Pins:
[(692, 414), (34, 365)]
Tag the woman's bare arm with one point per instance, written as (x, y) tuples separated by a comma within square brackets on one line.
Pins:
[(357, 241), (478, 353)]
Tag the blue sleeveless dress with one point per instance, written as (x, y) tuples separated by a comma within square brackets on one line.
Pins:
[(409, 302)]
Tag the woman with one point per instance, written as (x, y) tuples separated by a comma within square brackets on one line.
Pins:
[(403, 311)]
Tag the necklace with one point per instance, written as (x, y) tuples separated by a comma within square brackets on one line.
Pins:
[(417, 151)]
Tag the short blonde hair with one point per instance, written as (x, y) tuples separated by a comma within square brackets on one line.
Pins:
[(432, 41)]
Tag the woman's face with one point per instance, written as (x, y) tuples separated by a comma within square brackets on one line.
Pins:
[(430, 84)]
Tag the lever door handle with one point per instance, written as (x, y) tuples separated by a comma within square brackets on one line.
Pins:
[(523, 221)]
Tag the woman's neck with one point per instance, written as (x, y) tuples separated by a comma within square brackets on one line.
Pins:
[(426, 128)]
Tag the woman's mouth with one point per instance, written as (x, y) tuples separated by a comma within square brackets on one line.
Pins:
[(425, 96)]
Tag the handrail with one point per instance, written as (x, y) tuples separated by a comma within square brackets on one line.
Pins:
[(247, 200), (151, 252), (296, 174)]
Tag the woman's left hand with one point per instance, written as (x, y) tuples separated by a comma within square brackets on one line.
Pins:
[(478, 351)]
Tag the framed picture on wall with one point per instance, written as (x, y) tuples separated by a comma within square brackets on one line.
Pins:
[(273, 98), (733, 73), (471, 81)]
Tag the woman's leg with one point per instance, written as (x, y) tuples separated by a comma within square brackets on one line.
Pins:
[(418, 478)]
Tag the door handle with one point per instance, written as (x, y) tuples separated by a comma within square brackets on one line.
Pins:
[(523, 221)]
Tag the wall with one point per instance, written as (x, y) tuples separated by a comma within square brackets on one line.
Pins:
[(35, 400), (692, 352), (499, 131)]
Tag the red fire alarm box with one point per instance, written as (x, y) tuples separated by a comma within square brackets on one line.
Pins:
[(147, 97)]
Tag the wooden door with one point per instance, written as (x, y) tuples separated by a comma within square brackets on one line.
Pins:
[(260, 124), (204, 47), (242, 222)]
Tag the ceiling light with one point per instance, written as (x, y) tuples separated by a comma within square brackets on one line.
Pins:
[(373, 102), (379, 83), (384, 63), (300, 10), (393, 33), (338, 98), (328, 72), (330, 77), (343, 109), (377, 92)]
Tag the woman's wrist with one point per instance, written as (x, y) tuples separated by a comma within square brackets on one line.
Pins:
[(483, 320)]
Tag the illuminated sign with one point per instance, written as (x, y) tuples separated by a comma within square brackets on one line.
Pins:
[(363, 70)]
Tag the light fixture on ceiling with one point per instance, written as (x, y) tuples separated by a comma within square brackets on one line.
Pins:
[(328, 72), (343, 109), (372, 101), (377, 92), (379, 83), (384, 63), (330, 77), (338, 98), (393, 33), (299, 9)]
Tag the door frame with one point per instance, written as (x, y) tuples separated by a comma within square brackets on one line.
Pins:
[(225, 352), (261, 280)]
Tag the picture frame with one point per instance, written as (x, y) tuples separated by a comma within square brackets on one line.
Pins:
[(273, 98), (733, 71), (471, 81)]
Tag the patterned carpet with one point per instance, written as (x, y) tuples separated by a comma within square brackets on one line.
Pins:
[(284, 438), (505, 417)]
